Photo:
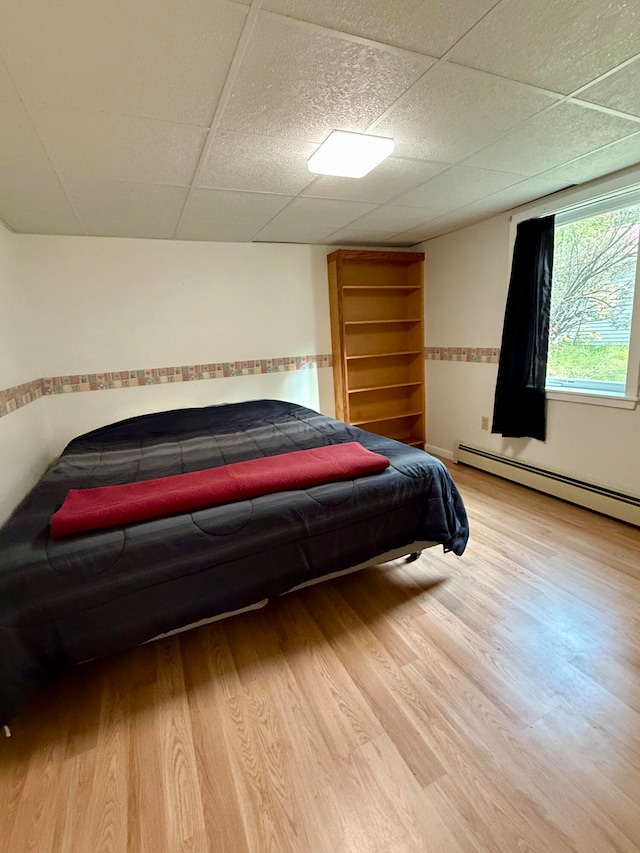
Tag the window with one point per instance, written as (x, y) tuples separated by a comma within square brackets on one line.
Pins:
[(591, 334)]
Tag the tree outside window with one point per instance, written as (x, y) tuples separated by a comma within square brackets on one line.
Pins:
[(594, 273)]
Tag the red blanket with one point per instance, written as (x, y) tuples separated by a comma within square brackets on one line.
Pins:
[(92, 509)]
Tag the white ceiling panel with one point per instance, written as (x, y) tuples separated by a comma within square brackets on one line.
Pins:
[(526, 191), (324, 214), (400, 242), (557, 44), (319, 83), (422, 232), (391, 217), (522, 193), (426, 26), (164, 59), (352, 237), (619, 91), (37, 208), (140, 118), (441, 225), (117, 209), (388, 180), (31, 196), (616, 156), (456, 187), (276, 232), (104, 147), (257, 163), (222, 215), (561, 134), (453, 111), (415, 149)]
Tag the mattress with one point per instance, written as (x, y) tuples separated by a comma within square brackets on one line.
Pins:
[(64, 601)]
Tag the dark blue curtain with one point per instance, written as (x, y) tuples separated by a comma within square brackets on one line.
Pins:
[(520, 403)]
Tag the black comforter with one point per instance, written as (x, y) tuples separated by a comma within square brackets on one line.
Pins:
[(93, 594)]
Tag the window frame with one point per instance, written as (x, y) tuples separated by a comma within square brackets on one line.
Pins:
[(579, 203)]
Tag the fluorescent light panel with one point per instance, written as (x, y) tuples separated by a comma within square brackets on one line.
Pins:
[(349, 155)]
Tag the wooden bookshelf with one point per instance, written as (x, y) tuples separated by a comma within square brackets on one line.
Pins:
[(377, 333)]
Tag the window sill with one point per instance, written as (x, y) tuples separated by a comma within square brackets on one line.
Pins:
[(593, 398)]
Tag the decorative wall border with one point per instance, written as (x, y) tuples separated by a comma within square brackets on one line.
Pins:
[(183, 373), (480, 355), (20, 395), (15, 398)]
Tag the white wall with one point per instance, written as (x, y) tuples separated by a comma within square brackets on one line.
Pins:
[(109, 304), (24, 439), (115, 304), (466, 283), (73, 414), (18, 358)]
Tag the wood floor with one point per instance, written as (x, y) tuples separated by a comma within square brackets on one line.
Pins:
[(487, 703)]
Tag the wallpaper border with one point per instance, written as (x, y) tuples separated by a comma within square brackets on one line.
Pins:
[(479, 355), (12, 399), (183, 373)]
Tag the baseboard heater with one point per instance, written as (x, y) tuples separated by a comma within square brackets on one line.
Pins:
[(589, 495)]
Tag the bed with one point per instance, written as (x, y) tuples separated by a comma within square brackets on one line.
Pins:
[(68, 600)]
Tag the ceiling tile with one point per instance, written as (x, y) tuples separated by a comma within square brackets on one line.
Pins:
[(418, 235), (274, 232), (414, 149), (312, 220), (222, 215), (386, 181), (318, 84), (556, 44), (352, 237), (426, 27), (619, 91), (528, 190), (165, 60), (102, 147), (7, 89), (118, 209), (456, 187), (440, 225), (321, 213), (391, 217), (31, 196), (504, 200), (257, 163), (563, 133), (616, 156), (453, 111), (120, 96), (36, 208), (398, 242)]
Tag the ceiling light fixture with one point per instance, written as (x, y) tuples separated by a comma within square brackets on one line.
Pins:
[(349, 155)]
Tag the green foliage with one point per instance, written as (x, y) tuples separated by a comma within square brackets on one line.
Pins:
[(593, 273), (604, 362)]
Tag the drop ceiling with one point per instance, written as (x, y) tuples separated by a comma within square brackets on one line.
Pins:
[(193, 120)]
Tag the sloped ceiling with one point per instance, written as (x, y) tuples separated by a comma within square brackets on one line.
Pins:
[(194, 119)]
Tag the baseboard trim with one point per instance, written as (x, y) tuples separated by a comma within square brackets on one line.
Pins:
[(620, 505), (439, 451)]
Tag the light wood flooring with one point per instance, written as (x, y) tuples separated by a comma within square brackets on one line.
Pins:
[(487, 703)]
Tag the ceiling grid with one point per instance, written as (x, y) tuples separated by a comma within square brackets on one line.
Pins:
[(194, 121)]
